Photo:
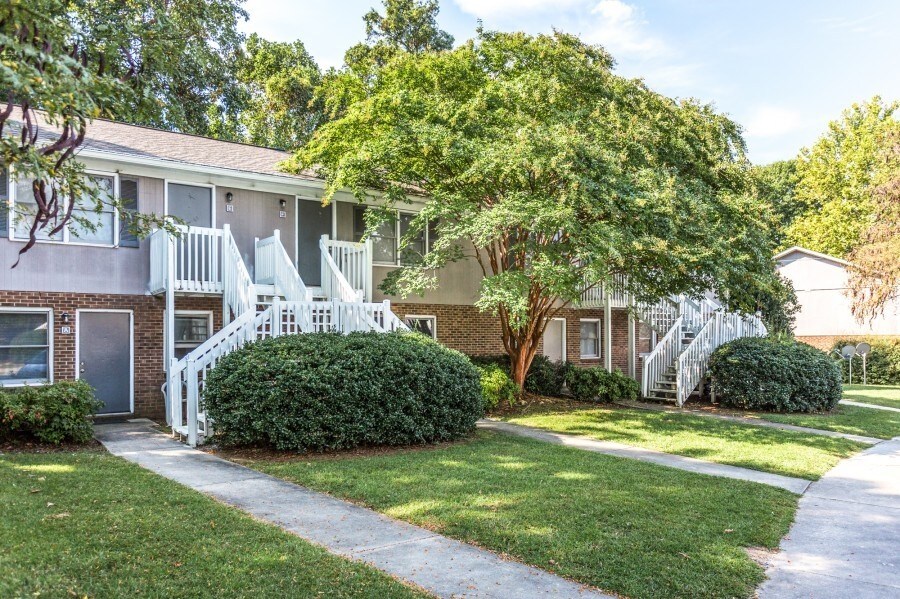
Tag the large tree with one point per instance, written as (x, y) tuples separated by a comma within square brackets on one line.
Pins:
[(775, 187), (177, 57), (275, 103), (836, 177), (875, 275), (551, 172)]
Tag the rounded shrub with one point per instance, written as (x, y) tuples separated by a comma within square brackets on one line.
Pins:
[(756, 373), (496, 386), (49, 413), (882, 363), (597, 384), (330, 391), (546, 377)]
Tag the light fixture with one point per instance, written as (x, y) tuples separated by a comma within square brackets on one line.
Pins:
[(282, 202), (229, 197), (65, 318)]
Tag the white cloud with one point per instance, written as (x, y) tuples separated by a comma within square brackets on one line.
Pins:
[(622, 30), (497, 8), (772, 121)]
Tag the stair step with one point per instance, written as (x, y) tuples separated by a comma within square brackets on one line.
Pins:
[(658, 398), (662, 391)]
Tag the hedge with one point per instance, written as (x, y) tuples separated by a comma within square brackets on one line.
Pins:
[(331, 391), (882, 363), (50, 413), (597, 384), (545, 377), (778, 375)]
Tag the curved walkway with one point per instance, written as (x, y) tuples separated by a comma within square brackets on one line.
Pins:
[(860, 404), (445, 567), (845, 541)]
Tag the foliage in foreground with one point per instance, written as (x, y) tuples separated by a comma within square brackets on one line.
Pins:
[(50, 414), (332, 391), (882, 363), (763, 373), (630, 527), (86, 524), (598, 384), (496, 386)]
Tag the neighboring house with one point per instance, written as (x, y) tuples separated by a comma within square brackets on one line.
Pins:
[(143, 320), (821, 283)]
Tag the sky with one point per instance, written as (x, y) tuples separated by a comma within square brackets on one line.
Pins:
[(782, 69)]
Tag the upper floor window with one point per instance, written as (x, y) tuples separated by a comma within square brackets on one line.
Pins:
[(386, 240), (106, 227), (25, 346)]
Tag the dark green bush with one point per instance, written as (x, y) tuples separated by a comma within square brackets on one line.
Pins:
[(756, 373), (597, 384), (331, 391), (882, 364), (546, 377), (496, 386), (50, 413)]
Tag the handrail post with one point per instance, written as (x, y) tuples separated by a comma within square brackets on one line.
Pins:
[(193, 398), (277, 320), (368, 274)]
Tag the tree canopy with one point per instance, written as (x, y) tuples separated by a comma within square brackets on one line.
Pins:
[(275, 103), (875, 275), (552, 173), (836, 177)]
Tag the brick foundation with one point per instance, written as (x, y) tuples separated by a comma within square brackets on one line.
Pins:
[(149, 374), (472, 332)]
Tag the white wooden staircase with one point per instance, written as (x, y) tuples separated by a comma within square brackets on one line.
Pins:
[(691, 331), (276, 302)]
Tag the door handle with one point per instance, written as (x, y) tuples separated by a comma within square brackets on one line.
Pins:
[(81, 371)]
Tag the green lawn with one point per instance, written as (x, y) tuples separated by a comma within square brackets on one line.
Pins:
[(882, 395), (766, 449), (869, 422), (634, 528), (87, 524)]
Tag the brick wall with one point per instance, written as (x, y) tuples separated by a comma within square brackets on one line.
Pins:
[(148, 311), (470, 331), (826, 342)]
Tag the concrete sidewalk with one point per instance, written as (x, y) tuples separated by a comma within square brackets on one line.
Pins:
[(440, 565), (873, 406), (794, 485), (845, 541)]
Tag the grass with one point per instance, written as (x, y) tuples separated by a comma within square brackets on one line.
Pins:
[(87, 524), (634, 528), (881, 395), (770, 450), (868, 422)]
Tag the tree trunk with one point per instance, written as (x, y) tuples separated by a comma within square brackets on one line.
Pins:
[(521, 354)]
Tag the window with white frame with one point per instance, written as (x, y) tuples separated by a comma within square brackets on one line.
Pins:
[(590, 338), (25, 346), (386, 240), (191, 330), (427, 325), (88, 227)]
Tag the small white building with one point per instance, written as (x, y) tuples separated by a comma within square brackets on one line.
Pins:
[(821, 283)]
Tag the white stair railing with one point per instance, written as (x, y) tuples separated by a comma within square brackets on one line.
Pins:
[(274, 267), (346, 269), (660, 315), (188, 376), (661, 358), (238, 290), (721, 328)]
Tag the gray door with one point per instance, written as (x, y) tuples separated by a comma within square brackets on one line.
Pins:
[(190, 203), (313, 221), (104, 358)]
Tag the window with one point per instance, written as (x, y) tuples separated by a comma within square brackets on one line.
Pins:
[(386, 240), (25, 346), (590, 338), (191, 330), (104, 223), (427, 325), (128, 198)]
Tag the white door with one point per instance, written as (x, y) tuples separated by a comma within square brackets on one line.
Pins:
[(555, 340)]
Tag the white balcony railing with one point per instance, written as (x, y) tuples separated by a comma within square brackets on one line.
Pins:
[(274, 267), (346, 270)]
